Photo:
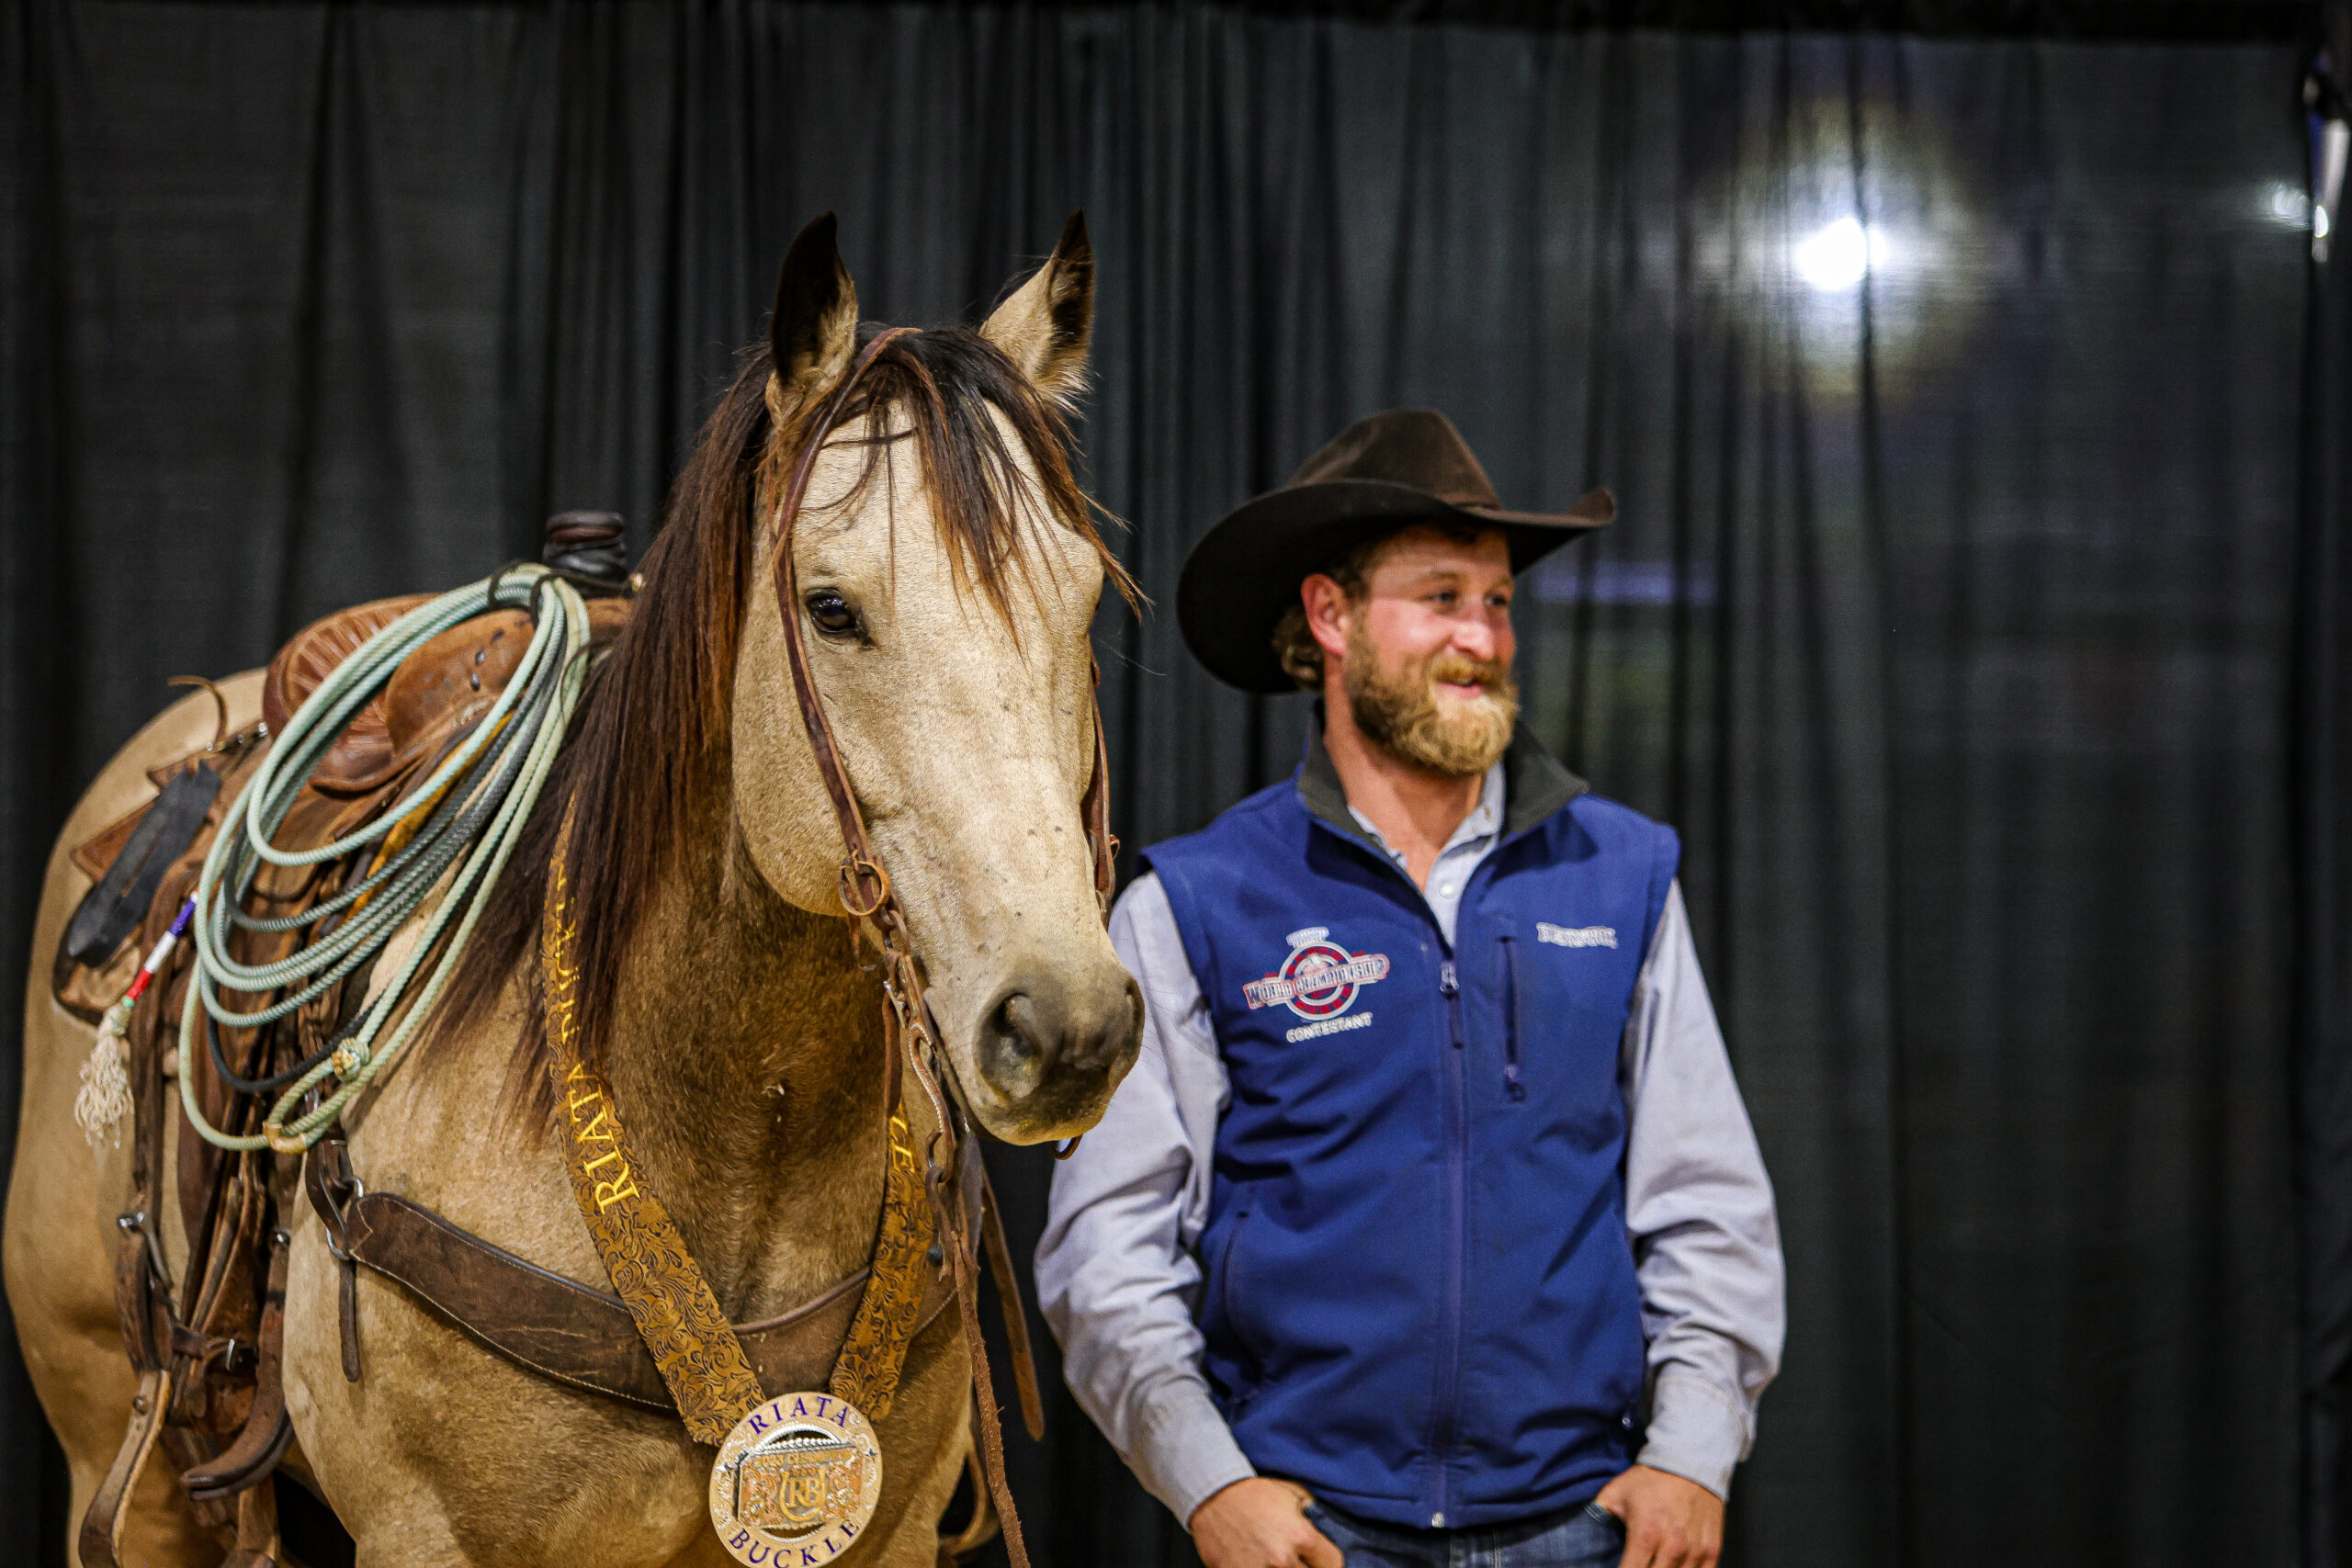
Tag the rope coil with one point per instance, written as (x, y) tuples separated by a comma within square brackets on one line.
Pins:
[(472, 809)]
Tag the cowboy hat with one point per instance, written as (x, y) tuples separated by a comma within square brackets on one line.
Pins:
[(1382, 474)]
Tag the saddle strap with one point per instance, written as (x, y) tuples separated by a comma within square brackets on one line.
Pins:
[(143, 1304), (101, 1535), (268, 1430), (257, 1544), (558, 1328)]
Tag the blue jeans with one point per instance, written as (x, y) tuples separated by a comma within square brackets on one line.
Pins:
[(1588, 1537)]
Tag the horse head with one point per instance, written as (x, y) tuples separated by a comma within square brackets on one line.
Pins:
[(946, 574)]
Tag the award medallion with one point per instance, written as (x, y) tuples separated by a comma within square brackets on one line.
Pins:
[(795, 1481)]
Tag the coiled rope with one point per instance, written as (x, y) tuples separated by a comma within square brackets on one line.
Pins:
[(473, 808)]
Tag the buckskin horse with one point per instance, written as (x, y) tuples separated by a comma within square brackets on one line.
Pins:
[(946, 572)]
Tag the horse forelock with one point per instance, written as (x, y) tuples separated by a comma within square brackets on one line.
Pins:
[(651, 737), (994, 451)]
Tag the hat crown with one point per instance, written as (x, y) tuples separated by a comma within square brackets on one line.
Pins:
[(1419, 447)]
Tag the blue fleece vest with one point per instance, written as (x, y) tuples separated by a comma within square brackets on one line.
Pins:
[(1418, 1298)]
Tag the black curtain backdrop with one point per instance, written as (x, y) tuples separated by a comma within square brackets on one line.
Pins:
[(1974, 612)]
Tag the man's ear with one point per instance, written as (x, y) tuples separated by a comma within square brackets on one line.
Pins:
[(813, 330), (1329, 610), (1046, 324)]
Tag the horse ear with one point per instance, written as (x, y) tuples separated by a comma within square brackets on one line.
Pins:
[(813, 331), (1046, 324)]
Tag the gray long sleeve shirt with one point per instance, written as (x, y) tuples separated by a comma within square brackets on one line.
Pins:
[(1118, 1272)]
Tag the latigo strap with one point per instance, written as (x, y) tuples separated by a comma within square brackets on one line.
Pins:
[(556, 1327)]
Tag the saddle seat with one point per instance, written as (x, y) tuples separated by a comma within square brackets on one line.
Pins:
[(435, 697), (437, 693)]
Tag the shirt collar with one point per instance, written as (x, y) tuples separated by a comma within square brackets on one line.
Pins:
[(1484, 820), (1534, 787)]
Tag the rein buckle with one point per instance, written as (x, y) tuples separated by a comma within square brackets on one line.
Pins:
[(865, 886)]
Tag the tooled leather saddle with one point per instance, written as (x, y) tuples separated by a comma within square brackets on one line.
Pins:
[(206, 1345)]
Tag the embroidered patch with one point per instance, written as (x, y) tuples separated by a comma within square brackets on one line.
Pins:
[(1328, 1026), (1319, 979), (1575, 936)]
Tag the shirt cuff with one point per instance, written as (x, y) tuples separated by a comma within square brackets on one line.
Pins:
[(1696, 1431), (1189, 1450)]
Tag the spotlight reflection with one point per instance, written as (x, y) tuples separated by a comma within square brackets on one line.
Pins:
[(1839, 255), (1851, 230), (2289, 208)]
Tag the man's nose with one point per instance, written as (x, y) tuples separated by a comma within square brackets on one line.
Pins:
[(1474, 638)]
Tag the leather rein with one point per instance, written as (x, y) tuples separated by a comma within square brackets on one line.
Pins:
[(910, 1034)]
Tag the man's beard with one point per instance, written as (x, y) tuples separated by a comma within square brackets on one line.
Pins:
[(1401, 715)]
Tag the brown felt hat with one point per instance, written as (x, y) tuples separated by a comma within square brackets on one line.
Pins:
[(1381, 474)]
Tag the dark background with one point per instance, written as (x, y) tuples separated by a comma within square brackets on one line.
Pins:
[(1983, 625)]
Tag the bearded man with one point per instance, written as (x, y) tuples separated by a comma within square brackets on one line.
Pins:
[(1428, 1229)]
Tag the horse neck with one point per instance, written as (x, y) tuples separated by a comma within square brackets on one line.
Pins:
[(747, 1066)]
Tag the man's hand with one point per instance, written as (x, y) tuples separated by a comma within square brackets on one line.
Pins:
[(1669, 1522), (1261, 1523)]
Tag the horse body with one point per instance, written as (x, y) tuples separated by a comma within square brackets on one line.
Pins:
[(744, 1036)]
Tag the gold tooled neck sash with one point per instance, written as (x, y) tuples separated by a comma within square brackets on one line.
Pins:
[(693, 1345)]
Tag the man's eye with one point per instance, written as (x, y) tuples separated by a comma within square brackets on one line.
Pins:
[(832, 613)]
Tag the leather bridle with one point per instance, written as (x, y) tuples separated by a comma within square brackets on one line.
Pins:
[(910, 1034)]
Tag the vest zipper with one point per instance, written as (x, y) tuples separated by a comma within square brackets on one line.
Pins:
[(1457, 1183), (1512, 1087)]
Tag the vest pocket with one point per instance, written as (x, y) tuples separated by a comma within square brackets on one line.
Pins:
[(1514, 1086), (1225, 1267), (1244, 1354)]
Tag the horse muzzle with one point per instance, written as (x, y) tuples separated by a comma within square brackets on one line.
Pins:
[(1051, 1047)]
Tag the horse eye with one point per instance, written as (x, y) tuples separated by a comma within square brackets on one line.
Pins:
[(832, 613)]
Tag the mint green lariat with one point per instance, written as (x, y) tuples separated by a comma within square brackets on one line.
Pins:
[(472, 809)]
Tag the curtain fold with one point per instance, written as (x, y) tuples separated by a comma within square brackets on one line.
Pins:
[(2320, 803), (1964, 613)]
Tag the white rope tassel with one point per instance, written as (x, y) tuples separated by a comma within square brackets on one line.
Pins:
[(104, 1098)]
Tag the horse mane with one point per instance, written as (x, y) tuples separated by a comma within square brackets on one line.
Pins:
[(652, 731)]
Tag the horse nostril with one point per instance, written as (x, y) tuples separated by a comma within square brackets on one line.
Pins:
[(1095, 1046), (1060, 1035), (1014, 1046)]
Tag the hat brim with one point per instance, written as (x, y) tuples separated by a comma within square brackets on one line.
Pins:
[(1243, 576)]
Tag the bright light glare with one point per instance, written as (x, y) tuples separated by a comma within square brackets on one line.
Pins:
[(1839, 255), (2319, 222), (2287, 205)]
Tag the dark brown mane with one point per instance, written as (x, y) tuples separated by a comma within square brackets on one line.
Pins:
[(652, 731)]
